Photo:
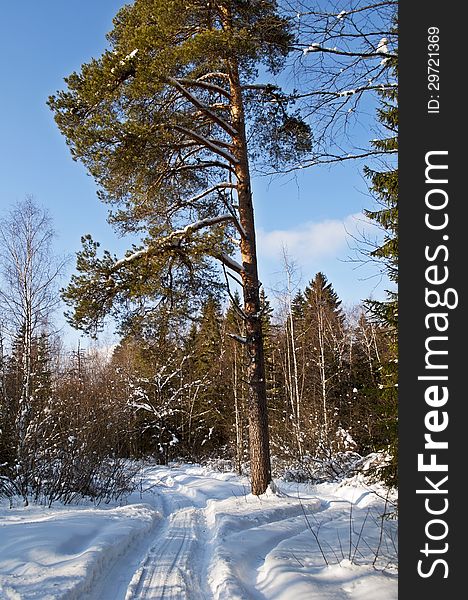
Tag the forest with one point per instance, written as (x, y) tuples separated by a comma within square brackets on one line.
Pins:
[(188, 105), (173, 424)]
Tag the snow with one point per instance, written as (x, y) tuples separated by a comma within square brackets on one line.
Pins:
[(132, 54), (188, 229), (231, 263), (124, 60), (382, 47), (61, 553), (195, 533), (312, 48), (347, 93)]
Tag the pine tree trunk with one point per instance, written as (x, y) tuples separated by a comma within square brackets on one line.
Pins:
[(257, 399)]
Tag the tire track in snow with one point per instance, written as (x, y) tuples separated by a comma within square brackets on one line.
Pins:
[(242, 553), (143, 572), (177, 559), (176, 564), (174, 567)]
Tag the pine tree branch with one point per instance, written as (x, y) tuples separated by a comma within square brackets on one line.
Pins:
[(167, 242), (230, 263), (328, 159), (212, 87), (220, 186), (258, 86), (350, 92), (214, 74), (204, 164), (235, 306), (208, 143), (348, 12), (203, 108)]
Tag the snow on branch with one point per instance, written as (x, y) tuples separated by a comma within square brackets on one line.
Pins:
[(212, 87), (365, 88), (258, 86), (349, 12), (238, 338), (167, 241), (319, 48), (201, 224), (130, 258), (126, 59), (214, 75), (230, 263)]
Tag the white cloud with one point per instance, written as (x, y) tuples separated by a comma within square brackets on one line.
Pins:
[(312, 240)]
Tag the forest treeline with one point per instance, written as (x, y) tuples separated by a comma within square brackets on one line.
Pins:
[(173, 121), (176, 389)]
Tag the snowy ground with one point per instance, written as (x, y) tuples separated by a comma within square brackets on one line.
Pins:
[(195, 534)]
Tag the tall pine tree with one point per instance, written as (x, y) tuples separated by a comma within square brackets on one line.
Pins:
[(161, 120)]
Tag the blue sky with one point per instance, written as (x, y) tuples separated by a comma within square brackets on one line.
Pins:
[(42, 42)]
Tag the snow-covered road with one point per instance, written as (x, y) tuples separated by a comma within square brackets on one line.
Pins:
[(194, 534)]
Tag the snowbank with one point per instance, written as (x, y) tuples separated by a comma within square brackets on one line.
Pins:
[(47, 554), (195, 534)]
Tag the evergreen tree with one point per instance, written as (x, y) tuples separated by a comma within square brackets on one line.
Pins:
[(268, 344), (323, 334), (212, 430), (384, 186), (235, 374), (367, 356), (161, 120), (320, 293), (208, 338), (149, 365)]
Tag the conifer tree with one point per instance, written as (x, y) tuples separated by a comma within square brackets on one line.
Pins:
[(161, 120), (268, 342), (207, 367), (323, 323), (208, 338), (384, 187), (234, 364)]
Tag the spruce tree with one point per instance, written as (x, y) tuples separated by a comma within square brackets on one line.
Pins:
[(211, 398), (161, 120), (235, 363), (323, 326), (384, 187), (208, 338)]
